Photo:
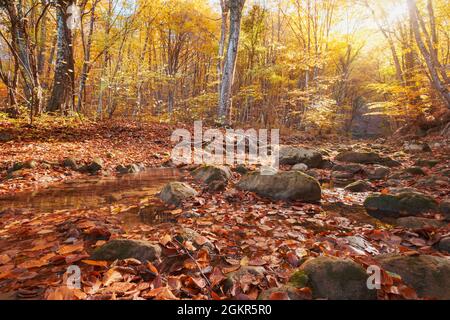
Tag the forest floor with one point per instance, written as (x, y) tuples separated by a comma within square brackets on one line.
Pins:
[(216, 245)]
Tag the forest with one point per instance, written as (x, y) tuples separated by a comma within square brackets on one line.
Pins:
[(224, 149)]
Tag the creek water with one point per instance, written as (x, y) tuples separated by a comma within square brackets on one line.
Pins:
[(92, 192)]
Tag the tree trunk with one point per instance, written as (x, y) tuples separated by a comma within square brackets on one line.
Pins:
[(436, 82), (225, 104), (63, 81), (223, 33), (87, 58)]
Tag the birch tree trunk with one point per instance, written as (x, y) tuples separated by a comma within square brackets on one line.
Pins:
[(225, 103)]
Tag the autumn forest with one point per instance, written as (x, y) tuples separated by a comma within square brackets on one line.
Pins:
[(339, 110)]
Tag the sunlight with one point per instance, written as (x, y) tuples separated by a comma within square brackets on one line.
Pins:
[(396, 11)]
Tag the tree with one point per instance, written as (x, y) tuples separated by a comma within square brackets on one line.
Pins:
[(62, 96), (427, 45), (225, 103)]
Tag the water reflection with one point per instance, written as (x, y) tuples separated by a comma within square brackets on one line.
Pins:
[(92, 192)]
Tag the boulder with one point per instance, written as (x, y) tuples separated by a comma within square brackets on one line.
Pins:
[(428, 275), (16, 166), (290, 185), (359, 157), (419, 223), (359, 186), (243, 272), (209, 173), (94, 167), (444, 208), (175, 192), (300, 167), (415, 171), (444, 245), (401, 204), (131, 168), (414, 147), (70, 163), (293, 155), (337, 279), (352, 168), (377, 172), (241, 169), (427, 163), (125, 248)]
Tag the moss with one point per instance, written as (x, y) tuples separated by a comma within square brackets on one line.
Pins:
[(299, 279)]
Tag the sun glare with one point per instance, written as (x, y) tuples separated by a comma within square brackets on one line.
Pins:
[(397, 11)]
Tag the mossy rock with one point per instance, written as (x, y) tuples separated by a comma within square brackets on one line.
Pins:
[(401, 204), (428, 275), (125, 248), (337, 279), (299, 279), (359, 157)]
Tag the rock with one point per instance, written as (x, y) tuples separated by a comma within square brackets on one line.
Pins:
[(5, 137), (359, 186), (339, 175), (175, 192), (444, 208), (293, 155), (391, 163), (16, 166), (337, 279), (415, 171), (402, 204), (94, 167), (241, 169), (377, 172), (125, 248), (359, 157), (352, 168), (419, 223), (326, 164), (208, 173), (428, 275), (290, 185), (70, 163), (414, 147), (131, 168), (188, 234), (444, 245), (300, 167), (427, 163), (243, 271)]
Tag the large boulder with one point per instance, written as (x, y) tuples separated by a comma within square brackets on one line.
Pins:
[(125, 248), (401, 204), (294, 155), (428, 275), (175, 192), (337, 279), (290, 185)]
